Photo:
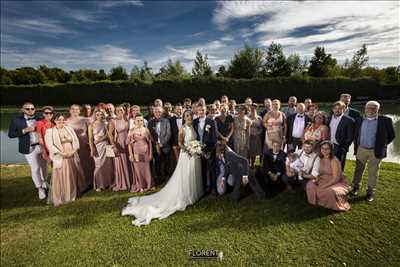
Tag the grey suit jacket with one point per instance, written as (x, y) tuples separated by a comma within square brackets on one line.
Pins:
[(165, 133)]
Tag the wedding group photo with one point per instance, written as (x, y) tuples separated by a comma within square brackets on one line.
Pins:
[(174, 133)]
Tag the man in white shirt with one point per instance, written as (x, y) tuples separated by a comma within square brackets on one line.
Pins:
[(176, 124), (341, 128), (296, 124), (24, 127), (310, 169)]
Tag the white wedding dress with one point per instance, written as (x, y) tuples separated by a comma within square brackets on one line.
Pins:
[(184, 188)]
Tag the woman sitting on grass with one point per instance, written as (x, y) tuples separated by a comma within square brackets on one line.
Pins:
[(330, 189)]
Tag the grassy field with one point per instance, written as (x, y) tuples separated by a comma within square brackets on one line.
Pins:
[(283, 231)]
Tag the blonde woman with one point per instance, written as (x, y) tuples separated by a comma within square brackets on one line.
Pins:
[(140, 155), (117, 135), (98, 140), (275, 124)]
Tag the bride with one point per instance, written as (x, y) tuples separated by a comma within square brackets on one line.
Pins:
[(183, 188)]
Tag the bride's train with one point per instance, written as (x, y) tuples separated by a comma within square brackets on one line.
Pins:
[(183, 188)]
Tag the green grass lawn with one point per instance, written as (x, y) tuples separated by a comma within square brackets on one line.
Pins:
[(283, 231)]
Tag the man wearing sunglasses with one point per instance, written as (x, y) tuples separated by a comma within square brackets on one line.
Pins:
[(24, 127)]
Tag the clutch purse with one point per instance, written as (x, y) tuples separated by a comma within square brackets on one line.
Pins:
[(110, 151)]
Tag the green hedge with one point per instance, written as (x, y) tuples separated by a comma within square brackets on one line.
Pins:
[(319, 89)]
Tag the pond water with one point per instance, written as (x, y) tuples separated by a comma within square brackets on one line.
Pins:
[(10, 155)]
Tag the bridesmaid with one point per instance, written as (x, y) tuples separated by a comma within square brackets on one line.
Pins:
[(98, 140), (331, 188), (241, 132), (255, 132), (117, 135), (275, 124), (63, 145), (140, 154), (80, 126)]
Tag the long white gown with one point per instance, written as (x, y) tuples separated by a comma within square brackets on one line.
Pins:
[(183, 188)]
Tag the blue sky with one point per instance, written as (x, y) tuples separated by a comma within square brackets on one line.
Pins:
[(103, 34)]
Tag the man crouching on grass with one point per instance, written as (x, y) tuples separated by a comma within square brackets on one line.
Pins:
[(234, 173)]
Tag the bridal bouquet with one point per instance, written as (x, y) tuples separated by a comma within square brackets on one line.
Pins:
[(194, 148)]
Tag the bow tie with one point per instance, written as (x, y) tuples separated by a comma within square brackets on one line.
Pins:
[(300, 116), (30, 118)]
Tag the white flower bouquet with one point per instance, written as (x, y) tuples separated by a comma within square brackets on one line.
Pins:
[(194, 148)]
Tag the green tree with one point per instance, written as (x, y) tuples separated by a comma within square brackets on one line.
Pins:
[(102, 75), (391, 75), (27, 75), (359, 60), (222, 72), (201, 68), (172, 70), (135, 73), (247, 63), (118, 74), (146, 73), (321, 63), (5, 76), (276, 64)]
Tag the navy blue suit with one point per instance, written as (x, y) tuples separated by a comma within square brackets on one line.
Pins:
[(210, 139), (15, 130)]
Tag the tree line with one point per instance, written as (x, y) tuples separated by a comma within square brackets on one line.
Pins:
[(247, 63)]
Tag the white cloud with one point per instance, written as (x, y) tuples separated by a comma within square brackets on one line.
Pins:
[(348, 24), (10, 39), (97, 57), (107, 4), (48, 26)]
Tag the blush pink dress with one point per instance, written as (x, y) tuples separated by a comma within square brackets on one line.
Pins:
[(104, 166), (331, 192), (121, 161), (80, 127), (141, 145), (274, 130), (65, 181)]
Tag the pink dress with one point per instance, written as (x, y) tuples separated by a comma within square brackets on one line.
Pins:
[(274, 130), (331, 192), (65, 180), (141, 145), (121, 161), (80, 127), (104, 167)]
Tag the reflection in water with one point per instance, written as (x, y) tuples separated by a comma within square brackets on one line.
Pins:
[(9, 147)]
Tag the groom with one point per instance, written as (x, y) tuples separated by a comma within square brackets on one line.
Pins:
[(206, 130)]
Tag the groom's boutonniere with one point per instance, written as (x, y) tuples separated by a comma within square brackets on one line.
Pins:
[(208, 128)]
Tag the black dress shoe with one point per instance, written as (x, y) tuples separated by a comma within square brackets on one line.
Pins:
[(369, 197)]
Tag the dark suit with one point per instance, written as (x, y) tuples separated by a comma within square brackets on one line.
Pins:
[(174, 130), (162, 162), (15, 130), (210, 138), (238, 166), (353, 113), (385, 134), (344, 136), (292, 141), (275, 166)]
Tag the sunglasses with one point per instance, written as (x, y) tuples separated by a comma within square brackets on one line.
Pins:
[(48, 113), (29, 109)]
